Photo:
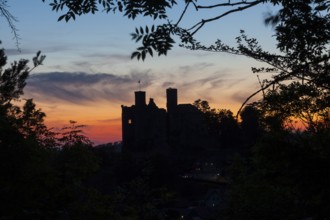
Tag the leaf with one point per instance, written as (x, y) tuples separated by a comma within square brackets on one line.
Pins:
[(138, 38), (134, 54), (145, 40), (321, 7), (150, 51), (143, 55), (73, 16), (61, 17), (134, 36)]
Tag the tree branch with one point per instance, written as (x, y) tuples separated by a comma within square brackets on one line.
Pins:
[(10, 21), (183, 13), (200, 24), (276, 80), (223, 5)]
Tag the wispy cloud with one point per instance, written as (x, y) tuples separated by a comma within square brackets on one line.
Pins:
[(81, 87), (241, 95), (122, 57), (16, 51), (206, 81), (110, 120), (26, 50), (196, 67), (168, 84)]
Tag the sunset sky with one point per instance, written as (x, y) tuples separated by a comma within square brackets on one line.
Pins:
[(88, 73)]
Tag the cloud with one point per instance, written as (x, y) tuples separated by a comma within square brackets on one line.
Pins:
[(242, 95), (80, 87), (16, 51), (97, 60), (110, 120), (167, 84), (196, 67), (202, 76), (122, 57), (27, 51), (207, 81)]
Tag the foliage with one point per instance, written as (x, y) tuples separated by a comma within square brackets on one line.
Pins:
[(72, 136), (143, 190), (296, 103), (220, 122), (285, 179), (158, 39), (130, 8), (28, 121), (39, 180), (300, 86), (135, 200), (251, 120), (12, 80)]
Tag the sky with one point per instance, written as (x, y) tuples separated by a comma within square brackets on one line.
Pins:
[(88, 73)]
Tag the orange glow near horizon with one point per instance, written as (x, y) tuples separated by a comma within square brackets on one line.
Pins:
[(103, 124), (98, 132), (103, 118)]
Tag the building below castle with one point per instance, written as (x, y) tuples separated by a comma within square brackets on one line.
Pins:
[(145, 126)]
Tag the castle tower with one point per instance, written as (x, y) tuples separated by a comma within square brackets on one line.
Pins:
[(140, 98), (172, 99)]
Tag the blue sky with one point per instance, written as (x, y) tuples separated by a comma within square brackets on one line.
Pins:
[(88, 72)]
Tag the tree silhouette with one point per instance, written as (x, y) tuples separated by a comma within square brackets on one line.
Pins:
[(251, 124), (72, 136), (286, 170), (220, 123), (43, 176), (285, 179), (300, 85), (28, 122)]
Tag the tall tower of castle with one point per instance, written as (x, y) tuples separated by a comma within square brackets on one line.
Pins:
[(140, 98), (172, 99)]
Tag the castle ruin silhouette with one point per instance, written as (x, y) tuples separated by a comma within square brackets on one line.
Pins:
[(145, 126)]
